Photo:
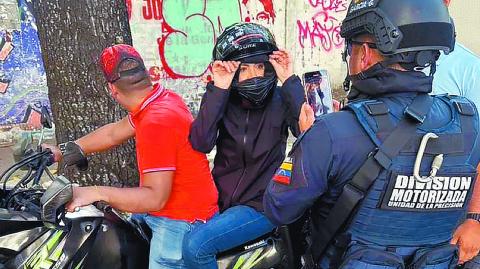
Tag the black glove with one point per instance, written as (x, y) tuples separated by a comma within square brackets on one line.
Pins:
[(73, 155)]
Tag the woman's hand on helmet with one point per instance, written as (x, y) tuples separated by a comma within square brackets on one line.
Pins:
[(282, 63), (223, 73)]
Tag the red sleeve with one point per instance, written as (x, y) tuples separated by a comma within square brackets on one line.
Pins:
[(156, 146)]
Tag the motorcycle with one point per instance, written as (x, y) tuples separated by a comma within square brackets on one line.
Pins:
[(37, 232)]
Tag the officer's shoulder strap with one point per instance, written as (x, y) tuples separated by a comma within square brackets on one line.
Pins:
[(355, 190), (466, 110), (373, 116)]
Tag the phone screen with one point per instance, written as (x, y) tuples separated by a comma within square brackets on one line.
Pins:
[(318, 92)]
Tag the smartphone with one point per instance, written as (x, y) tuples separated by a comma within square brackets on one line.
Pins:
[(310, 79), (318, 91)]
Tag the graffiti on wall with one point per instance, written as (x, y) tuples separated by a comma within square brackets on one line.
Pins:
[(185, 31), (176, 37), (23, 86), (268, 13), (189, 34), (322, 30)]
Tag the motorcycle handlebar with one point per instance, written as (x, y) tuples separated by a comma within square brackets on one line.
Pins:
[(102, 206), (33, 159)]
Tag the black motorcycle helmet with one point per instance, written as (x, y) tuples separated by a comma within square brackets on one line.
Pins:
[(243, 40), (248, 43), (408, 32)]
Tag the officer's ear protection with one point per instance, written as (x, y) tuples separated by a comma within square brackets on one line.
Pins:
[(454, 35)]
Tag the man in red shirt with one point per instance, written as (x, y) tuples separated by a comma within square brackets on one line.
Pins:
[(176, 188)]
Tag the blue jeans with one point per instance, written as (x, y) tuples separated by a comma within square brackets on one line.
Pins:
[(167, 240), (473, 263), (235, 226)]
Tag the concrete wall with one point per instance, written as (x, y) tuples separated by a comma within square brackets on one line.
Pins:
[(466, 14), (177, 36)]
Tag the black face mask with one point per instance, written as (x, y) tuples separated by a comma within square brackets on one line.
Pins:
[(255, 90)]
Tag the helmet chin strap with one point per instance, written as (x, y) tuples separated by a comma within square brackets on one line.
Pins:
[(415, 61), (411, 61), (347, 83)]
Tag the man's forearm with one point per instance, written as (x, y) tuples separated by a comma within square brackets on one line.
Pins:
[(135, 200), (98, 140), (107, 136)]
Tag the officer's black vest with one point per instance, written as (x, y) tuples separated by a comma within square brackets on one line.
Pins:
[(403, 220)]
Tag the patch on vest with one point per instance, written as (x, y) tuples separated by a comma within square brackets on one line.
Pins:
[(441, 193), (284, 173)]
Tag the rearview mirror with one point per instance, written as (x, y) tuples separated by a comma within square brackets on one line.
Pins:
[(46, 119)]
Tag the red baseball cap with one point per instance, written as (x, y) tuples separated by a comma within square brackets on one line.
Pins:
[(113, 56)]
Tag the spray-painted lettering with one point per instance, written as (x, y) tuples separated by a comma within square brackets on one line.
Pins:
[(323, 29), (190, 28), (152, 9)]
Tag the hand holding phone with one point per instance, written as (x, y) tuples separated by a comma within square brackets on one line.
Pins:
[(318, 92)]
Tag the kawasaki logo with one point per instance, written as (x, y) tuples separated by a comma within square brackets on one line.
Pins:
[(257, 244)]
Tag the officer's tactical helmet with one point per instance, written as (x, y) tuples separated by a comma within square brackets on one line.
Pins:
[(400, 27)]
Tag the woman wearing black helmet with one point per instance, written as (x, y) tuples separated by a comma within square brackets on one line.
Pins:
[(246, 116)]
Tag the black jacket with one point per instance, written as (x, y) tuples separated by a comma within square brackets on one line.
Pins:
[(250, 142)]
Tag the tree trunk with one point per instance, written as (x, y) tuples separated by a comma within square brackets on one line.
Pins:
[(72, 34)]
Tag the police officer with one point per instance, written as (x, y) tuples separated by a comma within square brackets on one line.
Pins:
[(387, 180)]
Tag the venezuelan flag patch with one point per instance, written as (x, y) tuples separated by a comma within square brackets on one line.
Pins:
[(284, 173)]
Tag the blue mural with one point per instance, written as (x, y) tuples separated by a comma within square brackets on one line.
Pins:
[(23, 85)]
